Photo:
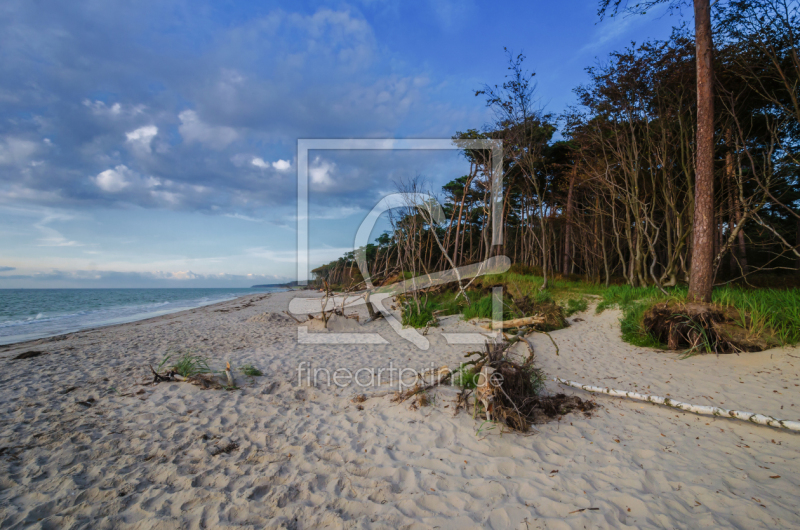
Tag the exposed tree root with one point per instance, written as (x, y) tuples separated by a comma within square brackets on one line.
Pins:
[(701, 328)]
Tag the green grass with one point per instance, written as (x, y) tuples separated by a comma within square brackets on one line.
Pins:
[(465, 377), (414, 318), (575, 305), (250, 370), (763, 311), (770, 310), (187, 365), (479, 307)]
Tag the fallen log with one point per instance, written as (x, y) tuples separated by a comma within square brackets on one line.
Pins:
[(294, 317), (752, 417), (515, 323)]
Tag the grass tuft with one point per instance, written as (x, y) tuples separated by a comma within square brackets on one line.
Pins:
[(187, 365), (465, 377), (250, 370), (575, 306)]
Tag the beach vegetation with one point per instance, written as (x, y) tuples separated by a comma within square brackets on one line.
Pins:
[(250, 370), (186, 364)]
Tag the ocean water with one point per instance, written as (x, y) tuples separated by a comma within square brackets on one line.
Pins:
[(27, 314)]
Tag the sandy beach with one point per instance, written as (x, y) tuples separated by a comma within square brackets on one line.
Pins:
[(86, 441)]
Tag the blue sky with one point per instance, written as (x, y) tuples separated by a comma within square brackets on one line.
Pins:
[(153, 143)]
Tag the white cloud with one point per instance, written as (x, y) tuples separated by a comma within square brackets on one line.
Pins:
[(15, 150), (152, 182), (282, 165), (243, 217), (320, 173), (193, 129), (167, 196), (99, 108), (279, 165), (52, 237), (142, 138), (113, 180), (259, 162)]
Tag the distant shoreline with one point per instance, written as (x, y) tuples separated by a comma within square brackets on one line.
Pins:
[(286, 285), (4, 344)]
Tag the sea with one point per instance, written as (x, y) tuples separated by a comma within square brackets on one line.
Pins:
[(27, 314)]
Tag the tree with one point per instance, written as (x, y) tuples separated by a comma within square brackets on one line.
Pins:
[(701, 277), (525, 130)]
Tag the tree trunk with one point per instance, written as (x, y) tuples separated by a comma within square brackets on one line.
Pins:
[(568, 223), (701, 277), (732, 194), (797, 261)]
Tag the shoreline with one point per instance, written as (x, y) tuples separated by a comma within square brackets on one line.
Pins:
[(62, 335)]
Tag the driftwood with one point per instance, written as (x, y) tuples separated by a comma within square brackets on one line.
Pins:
[(158, 378), (205, 381), (515, 323), (439, 376), (229, 375), (752, 417), (486, 390), (295, 318)]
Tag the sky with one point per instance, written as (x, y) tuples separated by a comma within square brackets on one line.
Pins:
[(153, 143)]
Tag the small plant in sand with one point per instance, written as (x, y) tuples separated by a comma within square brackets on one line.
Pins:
[(250, 370), (465, 377), (187, 365)]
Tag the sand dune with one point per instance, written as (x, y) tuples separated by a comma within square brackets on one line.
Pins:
[(84, 444)]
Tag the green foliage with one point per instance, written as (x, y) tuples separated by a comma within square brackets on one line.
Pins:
[(187, 365), (538, 380), (762, 311), (250, 370), (770, 311), (414, 318), (575, 305), (465, 377), (480, 308), (621, 296)]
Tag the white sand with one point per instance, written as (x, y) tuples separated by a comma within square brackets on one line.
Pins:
[(140, 456)]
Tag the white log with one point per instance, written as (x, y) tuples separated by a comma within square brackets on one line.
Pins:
[(688, 407)]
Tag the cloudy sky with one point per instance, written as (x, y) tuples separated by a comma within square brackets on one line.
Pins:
[(153, 143)]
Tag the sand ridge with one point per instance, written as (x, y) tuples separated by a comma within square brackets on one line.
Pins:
[(84, 444)]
